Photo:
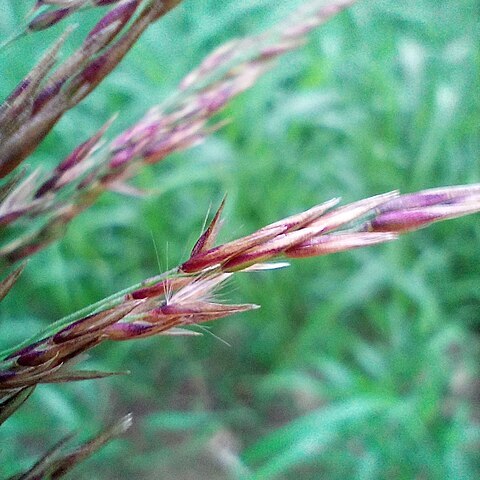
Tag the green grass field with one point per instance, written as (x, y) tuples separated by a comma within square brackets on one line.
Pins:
[(359, 365)]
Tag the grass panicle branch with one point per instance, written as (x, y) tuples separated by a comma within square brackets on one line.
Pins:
[(184, 296), (43, 99), (57, 462)]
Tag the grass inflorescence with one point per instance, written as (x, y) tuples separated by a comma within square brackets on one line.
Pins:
[(357, 365)]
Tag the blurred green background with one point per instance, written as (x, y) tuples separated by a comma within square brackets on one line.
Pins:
[(359, 365)]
